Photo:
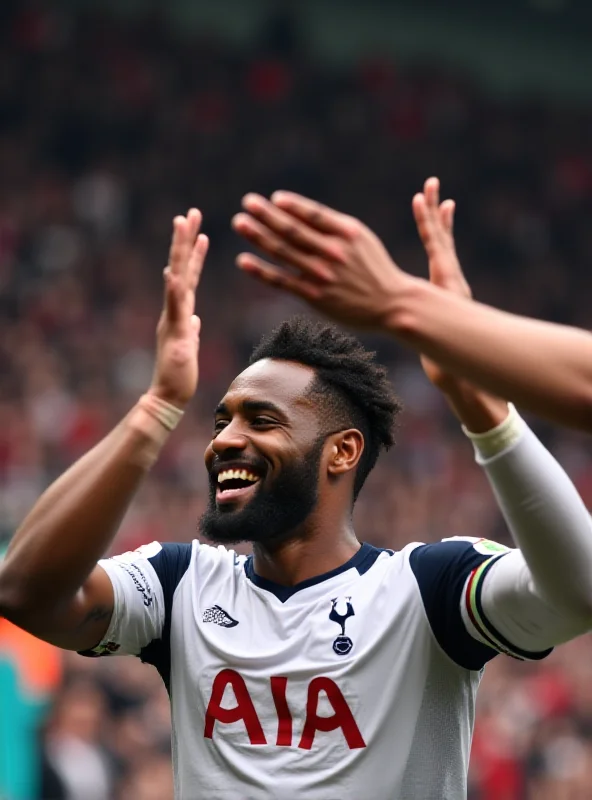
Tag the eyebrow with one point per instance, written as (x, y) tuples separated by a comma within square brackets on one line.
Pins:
[(252, 405)]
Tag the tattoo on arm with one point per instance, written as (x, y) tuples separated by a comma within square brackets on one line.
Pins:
[(97, 614)]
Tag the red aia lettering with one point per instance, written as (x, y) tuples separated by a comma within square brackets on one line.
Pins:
[(244, 708), (342, 718), (278, 691)]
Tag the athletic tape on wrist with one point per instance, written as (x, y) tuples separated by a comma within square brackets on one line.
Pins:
[(500, 438), (166, 413), (155, 419)]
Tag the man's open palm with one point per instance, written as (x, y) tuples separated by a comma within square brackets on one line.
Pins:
[(177, 335)]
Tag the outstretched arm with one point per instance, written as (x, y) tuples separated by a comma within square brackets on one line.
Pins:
[(540, 594), (341, 268), (50, 583), (543, 367)]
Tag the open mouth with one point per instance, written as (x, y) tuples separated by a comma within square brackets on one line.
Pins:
[(235, 484)]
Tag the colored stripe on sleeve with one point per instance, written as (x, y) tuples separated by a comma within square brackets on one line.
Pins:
[(477, 616)]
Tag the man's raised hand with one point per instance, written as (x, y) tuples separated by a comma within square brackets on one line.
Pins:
[(475, 408), (177, 334), (331, 260)]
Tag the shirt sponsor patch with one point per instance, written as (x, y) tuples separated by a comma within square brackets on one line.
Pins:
[(484, 546), (488, 548)]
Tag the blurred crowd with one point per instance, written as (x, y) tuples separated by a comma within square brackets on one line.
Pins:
[(107, 130)]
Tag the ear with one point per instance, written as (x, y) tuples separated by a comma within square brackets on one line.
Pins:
[(346, 448)]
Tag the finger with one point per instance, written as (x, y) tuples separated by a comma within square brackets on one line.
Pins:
[(291, 229), (280, 250), (445, 223), (432, 219), (447, 209), (196, 260), (426, 221), (174, 294), (431, 190), (317, 215), (178, 244), (193, 225), (194, 222), (438, 243), (455, 275), (274, 276)]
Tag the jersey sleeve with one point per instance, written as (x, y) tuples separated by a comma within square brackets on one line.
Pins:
[(144, 583), (450, 576)]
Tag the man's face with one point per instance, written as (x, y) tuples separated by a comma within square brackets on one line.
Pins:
[(264, 460)]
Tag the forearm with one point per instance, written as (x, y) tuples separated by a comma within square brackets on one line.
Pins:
[(544, 367), (546, 516), (476, 410), (74, 521)]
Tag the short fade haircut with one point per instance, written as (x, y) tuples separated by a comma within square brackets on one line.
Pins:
[(352, 388)]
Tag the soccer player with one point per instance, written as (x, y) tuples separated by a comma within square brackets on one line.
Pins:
[(317, 667), (544, 367)]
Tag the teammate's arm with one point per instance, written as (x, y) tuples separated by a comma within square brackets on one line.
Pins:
[(50, 583), (343, 270), (543, 367)]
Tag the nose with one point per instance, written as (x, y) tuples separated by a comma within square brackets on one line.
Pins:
[(229, 438)]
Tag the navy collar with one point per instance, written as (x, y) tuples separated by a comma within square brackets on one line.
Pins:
[(362, 561)]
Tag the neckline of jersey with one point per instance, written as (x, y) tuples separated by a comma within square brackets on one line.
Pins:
[(361, 561)]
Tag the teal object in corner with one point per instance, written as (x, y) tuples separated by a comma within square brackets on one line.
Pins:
[(20, 718)]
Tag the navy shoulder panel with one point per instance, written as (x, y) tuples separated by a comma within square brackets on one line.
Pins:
[(441, 571), (170, 564)]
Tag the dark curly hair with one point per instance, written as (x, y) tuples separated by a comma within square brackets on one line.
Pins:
[(353, 390)]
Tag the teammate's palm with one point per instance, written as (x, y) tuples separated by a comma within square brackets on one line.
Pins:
[(435, 226), (177, 335)]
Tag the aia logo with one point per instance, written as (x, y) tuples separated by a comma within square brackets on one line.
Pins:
[(342, 644), (230, 702)]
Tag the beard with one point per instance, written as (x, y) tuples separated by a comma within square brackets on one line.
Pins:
[(274, 512)]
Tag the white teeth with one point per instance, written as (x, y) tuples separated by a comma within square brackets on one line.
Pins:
[(237, 474)]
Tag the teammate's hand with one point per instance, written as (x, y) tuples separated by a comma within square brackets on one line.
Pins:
[(331, 260), (435, 222), (177, 335)]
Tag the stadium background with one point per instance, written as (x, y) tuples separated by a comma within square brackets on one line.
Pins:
[(115, 116)]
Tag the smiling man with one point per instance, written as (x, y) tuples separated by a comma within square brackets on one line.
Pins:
[(262, 494), (303, 390), (317, 667)]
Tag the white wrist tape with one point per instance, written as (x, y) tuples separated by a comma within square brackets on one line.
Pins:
[(155, 419), (166, 413), (498, 439)]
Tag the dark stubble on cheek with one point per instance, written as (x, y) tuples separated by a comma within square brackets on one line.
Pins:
[(275, 511)]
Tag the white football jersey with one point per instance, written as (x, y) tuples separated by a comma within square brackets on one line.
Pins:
[(359, 683)]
